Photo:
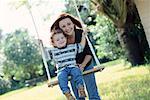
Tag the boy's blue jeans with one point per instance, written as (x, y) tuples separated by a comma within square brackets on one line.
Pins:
[(90, 84), (75, 74)]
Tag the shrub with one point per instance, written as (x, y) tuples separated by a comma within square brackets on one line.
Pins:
[(4, 86)]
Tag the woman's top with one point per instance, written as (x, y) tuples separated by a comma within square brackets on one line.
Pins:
[(86, 51)]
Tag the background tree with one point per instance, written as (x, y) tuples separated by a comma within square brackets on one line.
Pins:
[(107, 44), (0, 40), (125, 17), (22, 56), (5, 85)]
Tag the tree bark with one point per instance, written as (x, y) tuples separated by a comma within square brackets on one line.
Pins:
[(132, 48), (129, 38)]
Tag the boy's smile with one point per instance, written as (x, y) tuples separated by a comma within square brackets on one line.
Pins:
[(59, 40)]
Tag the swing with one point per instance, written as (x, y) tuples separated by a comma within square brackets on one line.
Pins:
[(95, 69)]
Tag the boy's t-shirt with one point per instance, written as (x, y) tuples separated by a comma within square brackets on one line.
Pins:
[(64, 57)]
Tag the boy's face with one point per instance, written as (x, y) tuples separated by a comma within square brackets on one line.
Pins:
[(59, 40)]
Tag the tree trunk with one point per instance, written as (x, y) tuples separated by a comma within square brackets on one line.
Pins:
[(129, 35), (129, 38), (132, 47)]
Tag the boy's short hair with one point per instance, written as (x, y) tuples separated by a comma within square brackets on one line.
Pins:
[(55, 31)]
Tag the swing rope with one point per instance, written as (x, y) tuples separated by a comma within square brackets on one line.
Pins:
[(53, 83), (89, 43), (38, 37)]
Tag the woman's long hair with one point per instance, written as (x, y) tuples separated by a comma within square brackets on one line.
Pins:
[(63, 16)]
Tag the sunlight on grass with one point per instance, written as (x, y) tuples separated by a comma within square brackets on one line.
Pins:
[(35, 93), (118, 81), (115, 62), (129, 88)]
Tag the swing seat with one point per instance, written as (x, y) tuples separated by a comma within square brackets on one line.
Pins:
[(95, 69)]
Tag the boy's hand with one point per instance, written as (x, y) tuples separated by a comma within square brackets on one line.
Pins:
[(40, 42)]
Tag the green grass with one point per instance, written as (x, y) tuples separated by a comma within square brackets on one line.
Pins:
[(121, 82), (128, 88), (116, 82), (115, 62)]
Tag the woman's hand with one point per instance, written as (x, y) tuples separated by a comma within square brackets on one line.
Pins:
[(86, 30), (81, 66)]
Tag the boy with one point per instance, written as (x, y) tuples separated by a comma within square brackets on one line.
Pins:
[(64, 57)]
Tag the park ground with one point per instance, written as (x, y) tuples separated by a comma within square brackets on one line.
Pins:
[(118, 81)]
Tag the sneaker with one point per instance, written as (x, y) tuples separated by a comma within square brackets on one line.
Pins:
[(69, 96), (81, 92)]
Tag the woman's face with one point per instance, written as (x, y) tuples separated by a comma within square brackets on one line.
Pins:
[(67, 26)]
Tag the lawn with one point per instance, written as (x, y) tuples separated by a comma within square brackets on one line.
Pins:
[(116, 82)]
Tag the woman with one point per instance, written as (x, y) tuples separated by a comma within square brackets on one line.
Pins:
[(72, 29)]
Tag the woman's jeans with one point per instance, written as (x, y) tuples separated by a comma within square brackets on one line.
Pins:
[(90, 84), (75, 74)]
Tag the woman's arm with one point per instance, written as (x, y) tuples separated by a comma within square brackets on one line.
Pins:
[(85, 61), (83, 40), (85, 57)]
